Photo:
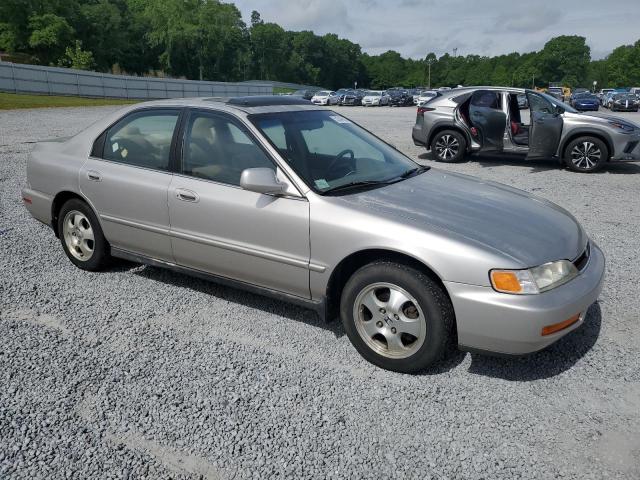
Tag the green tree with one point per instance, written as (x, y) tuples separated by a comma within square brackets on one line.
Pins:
[(49, 35), (565, 59), (76, 57)]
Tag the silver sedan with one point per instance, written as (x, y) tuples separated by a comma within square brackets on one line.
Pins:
[(292, 200)]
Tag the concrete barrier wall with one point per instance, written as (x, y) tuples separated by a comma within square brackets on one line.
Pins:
[(19, 78)]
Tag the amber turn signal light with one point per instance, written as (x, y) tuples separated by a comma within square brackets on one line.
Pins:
[(556, 327), (505, 281)]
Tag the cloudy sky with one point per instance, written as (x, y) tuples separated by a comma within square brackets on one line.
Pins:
[(484, 27)]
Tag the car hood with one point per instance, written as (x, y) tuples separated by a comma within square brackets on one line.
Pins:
[(601, 118), (528, 229)]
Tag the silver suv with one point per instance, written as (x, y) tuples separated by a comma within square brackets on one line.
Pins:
[(491, 119)]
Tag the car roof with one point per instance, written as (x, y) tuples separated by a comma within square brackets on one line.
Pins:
[(249, 104), (461, 90)]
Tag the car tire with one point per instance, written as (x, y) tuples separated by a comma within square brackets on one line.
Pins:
[(412, 311), (81, 236), (449, 146), (586, 154)]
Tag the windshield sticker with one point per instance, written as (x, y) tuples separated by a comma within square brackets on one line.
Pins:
[(339, 119), (115, 147), (321, 183)]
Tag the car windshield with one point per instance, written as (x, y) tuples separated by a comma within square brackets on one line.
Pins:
[(330, 151), (586, 95), (373, 94), (558, 103), (323, 93), (624, 96)]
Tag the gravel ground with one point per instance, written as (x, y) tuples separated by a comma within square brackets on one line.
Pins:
[(142, 373)]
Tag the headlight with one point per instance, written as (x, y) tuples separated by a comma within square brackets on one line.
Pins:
[(622, 126), (534, 280)]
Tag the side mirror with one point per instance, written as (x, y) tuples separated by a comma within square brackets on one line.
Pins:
[(261, 180), (559, 110)]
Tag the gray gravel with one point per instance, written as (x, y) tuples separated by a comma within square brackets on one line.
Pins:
[(141, 373)]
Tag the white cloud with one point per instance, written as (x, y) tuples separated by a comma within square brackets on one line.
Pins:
[(487, 27)]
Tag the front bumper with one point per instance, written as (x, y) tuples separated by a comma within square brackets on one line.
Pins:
[(624, 108), (587, 108), (512, 324)]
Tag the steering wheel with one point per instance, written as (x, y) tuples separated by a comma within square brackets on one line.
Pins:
[(340, 156)]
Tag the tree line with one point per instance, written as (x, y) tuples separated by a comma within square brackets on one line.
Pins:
[(208, 39)]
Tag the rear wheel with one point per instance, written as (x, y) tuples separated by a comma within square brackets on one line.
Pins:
[(449, 146), (396, 316), (81, 236), (586, 154)]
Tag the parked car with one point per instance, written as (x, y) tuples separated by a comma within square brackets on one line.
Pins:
[(523, 102), (606, 100), (556, 92), (487, 119), (288, 199), (603, 93), (307, 94), (375, 99), (585, 101), (340, 93), (636, 92), (623, 102), (427, 95), (400, 98), (354, 97), (325, 97)]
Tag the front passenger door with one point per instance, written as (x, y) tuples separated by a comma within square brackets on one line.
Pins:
[(485, 110), (220, 228), (546, 127)]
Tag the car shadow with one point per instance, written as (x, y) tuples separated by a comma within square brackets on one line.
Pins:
[(538, 165), (241, 297), (547, 363)]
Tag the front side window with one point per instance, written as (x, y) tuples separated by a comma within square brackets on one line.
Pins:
[(142, 139), (219, 149), (328, 150)]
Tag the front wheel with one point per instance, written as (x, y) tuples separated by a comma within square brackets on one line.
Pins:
[(586, 154), (397, 317), (449, 146)]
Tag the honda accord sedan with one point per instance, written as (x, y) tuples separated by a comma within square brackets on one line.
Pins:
[(284, 198), (489, 120)]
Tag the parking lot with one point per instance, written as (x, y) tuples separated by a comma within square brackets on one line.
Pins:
[(138, 372)]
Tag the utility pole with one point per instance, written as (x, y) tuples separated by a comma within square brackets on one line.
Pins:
[(455, 52), (429, 62)]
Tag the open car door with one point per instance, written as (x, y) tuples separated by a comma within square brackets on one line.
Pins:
[(487, 116), (546, 127)]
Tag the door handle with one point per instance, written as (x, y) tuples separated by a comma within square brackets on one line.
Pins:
[(187, 195), (94, 176)]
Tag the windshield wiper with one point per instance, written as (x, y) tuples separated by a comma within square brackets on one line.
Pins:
[(415, 171), (356, 185)]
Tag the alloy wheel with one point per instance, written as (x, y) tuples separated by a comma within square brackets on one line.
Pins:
[(78, 235), (389, 320), (585, 155), (447, 147)]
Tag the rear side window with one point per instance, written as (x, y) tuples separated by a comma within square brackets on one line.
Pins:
[(486, 99), (142, 139)]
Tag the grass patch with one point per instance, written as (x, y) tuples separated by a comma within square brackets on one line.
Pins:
[(281, 90), (10, 101)]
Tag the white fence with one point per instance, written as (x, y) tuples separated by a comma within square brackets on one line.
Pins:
[(19, 78)]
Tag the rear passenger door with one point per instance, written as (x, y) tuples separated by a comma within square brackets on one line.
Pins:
[(126, 179), (488, 117), (218, 227)]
